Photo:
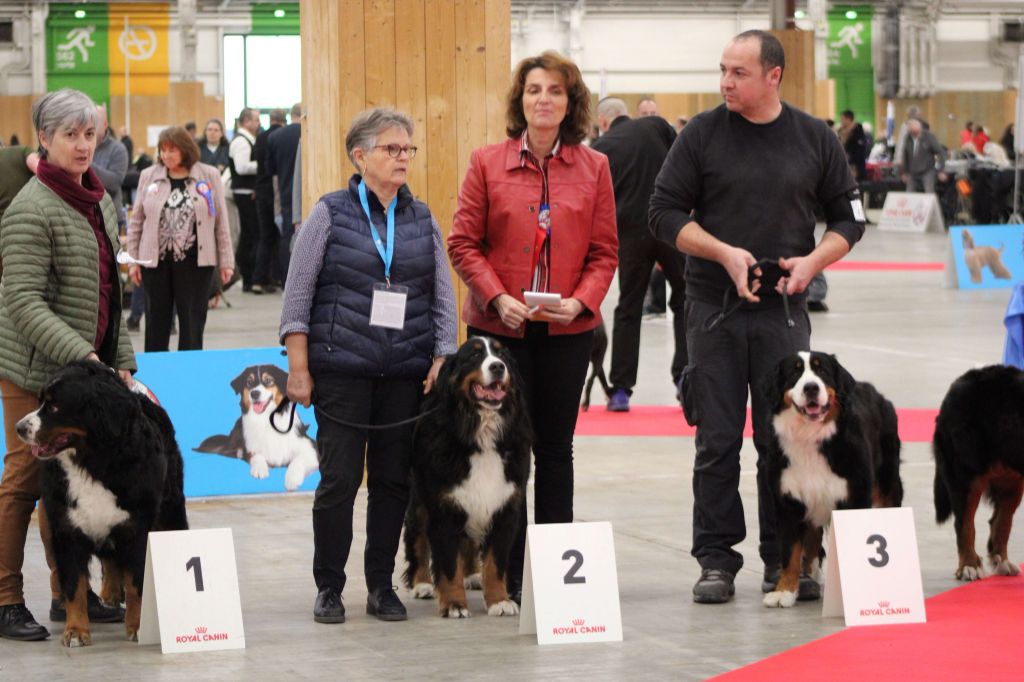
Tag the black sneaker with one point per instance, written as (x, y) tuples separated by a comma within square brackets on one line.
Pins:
[(133, 324), (515, 591), (808, 589), (817, 307), (385, 604), (16, 622), (328, 607), (714, 587), (98, 611), (770, 579)]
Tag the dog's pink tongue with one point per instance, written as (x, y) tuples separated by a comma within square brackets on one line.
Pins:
[(492, 392), (259, 407), (813, 409), (36, 450)]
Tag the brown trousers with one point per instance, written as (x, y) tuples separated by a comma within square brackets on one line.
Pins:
[(19, 492)]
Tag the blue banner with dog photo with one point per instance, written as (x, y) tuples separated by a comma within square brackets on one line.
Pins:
[(220, 402), (987, 256)]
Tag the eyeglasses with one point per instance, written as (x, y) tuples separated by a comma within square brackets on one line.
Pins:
[(395, 150)]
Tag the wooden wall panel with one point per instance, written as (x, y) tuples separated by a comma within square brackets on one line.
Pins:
[(947, 112), (442, 112), (411, 85), (798, 77), (825, 100), (379, 50), (184, 102), (497, 51), (471, 76), (324, 163), (16, 119), (350, 52)]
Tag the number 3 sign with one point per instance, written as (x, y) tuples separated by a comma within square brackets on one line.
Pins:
[(873, 574), (570, 584), (190, 596)]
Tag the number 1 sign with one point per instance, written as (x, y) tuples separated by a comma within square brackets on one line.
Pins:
[(873, 574), (570, 584), (190, 596)]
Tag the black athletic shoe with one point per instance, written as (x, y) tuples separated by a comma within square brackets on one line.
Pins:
[(328, 607), (714, 587), (808, 590), (385, 604), (98, 611), (16, 622)]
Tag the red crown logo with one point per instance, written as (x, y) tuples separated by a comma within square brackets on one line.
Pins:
[(578, 621), (201, 630), (884, 604)]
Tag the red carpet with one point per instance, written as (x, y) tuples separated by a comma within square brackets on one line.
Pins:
[(973, 633), (916, 425), (878, 265)]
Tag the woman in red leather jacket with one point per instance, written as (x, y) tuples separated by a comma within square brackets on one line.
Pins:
[(537, 213)]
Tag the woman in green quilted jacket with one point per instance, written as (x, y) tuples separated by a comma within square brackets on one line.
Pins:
[(60, 300)]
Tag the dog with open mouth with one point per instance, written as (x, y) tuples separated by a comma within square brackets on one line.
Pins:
[(834, 445), (470, 464)]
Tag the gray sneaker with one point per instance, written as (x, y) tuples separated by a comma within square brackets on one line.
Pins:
[(714, 587)]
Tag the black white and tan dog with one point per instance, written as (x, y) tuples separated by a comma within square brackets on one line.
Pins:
[(979, 452), (834, 445), (470, 464), (111, 473), (261, 390)]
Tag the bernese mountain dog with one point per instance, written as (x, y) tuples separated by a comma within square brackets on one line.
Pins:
[(978, 440), (253, 439), (834, 445), (111, 473), (470, 463)]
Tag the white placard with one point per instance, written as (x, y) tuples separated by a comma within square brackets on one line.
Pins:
[(570, 584), (873, 573), (190, 596), (911, 212)]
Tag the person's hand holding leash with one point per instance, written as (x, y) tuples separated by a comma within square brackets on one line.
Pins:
[(300, 387), (435, 369), (511, 311), (135, 274), (737, 262), (800, 271)]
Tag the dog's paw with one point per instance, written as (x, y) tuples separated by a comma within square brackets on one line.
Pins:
[(131, 634), (292, 480), (455, 610), (473, 582), (503, 608), (969, 573), (1001, 566), (258, 469), (76, 637), (780, 599), (422, 591)]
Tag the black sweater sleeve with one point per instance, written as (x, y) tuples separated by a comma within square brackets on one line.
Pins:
[(837, 193), (677, 187)]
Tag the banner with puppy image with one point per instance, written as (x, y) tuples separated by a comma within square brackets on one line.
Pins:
[(987, 256), (220, 402)]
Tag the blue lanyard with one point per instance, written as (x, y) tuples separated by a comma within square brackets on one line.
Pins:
[(388, 252)]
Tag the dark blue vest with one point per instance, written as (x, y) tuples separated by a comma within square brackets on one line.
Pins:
[(341, 340)]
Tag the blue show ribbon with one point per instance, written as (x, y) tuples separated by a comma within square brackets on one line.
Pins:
[(203, 188), (386, 252)]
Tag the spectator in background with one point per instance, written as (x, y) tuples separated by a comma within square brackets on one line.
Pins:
[(967, 133), (190, 127), (980, 138), (14, 140), (17, 166), (297, 191), (281, 149), (636, 149), (913, 113), (923, 159), (647, 107), (129, 147), (854, 142), (243, 166), (213, 145), (266, 269), (681, 122), (1007, 142), (179, 230), (110, 162)]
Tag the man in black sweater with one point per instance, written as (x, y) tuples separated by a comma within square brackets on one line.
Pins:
[(741, 183), (266, 270), (636, 148)]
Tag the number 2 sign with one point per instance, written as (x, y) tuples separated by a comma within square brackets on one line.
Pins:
[(190, 596), (873, 574), (570, 584)]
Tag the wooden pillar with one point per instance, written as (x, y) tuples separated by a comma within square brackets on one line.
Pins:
[(445, 63), (798, 78)]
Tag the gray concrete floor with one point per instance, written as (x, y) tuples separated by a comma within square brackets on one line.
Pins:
[(901, 330)]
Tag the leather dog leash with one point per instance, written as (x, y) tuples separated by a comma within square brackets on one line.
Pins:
[(336, 420)]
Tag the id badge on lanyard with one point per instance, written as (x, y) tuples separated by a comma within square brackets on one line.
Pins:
[(387, 307)]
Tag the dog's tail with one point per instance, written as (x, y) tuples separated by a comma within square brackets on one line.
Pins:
[(218, 445)]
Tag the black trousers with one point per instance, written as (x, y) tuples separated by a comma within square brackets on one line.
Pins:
[(265, 265), (637, 255), (343, 451), (182, 286), (552, 369), (284, 249), (736, 355), (248, 237)]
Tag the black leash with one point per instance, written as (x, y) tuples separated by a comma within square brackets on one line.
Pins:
[(770, 275), (323, 413)]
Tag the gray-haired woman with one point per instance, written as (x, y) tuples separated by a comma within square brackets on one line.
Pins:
[(60, 301), (368, 315)]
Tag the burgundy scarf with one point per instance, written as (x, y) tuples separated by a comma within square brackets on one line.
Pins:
[(85, 198)]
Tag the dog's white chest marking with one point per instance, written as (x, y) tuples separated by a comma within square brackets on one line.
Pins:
[(809, 478), (485, 490), (92, 508)]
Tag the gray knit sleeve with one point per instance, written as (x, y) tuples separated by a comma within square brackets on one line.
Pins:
[(442, 310), (304, 270)]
